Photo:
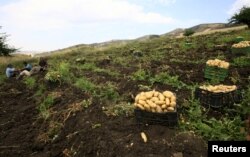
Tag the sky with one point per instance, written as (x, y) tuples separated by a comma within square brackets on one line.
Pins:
[(46, 25)]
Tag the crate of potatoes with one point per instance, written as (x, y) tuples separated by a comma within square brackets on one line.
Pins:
[(242, 47), (218, 96), (216, 70), (154, 107)]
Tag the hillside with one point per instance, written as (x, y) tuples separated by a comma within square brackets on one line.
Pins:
[(83, 104), (199, 30)]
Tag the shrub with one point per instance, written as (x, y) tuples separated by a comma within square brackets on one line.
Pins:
[(188, 32), (30, 82), (242, 17)]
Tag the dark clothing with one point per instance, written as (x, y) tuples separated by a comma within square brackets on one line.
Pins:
[(43, 64)]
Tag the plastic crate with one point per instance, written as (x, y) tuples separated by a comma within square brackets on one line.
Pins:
[(217, 100), (243, 50), (215, 73), (167, 118)]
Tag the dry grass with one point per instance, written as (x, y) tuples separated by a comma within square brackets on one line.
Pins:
[(209, 31), (221, 30), (13, 59), (16, 60)]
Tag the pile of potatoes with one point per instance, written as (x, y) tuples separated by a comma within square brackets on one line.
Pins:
[(219, 63), (154, 101), (242, 44), (219, 88)]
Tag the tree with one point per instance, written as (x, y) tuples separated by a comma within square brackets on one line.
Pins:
[(5, 49), (188, 32), (242, 17)]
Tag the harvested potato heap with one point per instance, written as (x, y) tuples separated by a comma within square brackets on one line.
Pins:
[(219, 63), (154, 101), (241, 44), (219, 88)]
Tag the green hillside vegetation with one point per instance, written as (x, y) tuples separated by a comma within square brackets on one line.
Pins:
[(99, 93)]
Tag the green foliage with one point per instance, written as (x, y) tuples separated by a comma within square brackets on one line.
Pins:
[(45, 105), (241, 61), (140, 75), (121, 109), (188, 32), (5, 49), (165, 78), (54, 129), (177, 60), (211, 128), (64, 69), (88, 66), (245, 105), (30, 82), (2, 79), (86, 103), (242, 17), (84, 84), (109, 92), (97, 125), (40, 91), (53, 76)]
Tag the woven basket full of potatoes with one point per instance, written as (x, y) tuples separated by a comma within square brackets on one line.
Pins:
[(156, 102)]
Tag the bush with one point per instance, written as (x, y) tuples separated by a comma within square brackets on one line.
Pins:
[(30, 82), (5, 49), (242, 17), (188, 32)]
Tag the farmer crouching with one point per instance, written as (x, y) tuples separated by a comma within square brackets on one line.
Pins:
[(11, 71), (36, 69)]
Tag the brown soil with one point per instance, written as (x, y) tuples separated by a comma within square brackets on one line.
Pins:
[(79, 132), (89, 132)]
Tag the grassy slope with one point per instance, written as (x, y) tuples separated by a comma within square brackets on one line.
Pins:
[(168, 53)]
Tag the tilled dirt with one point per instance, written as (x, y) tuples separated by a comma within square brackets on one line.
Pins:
[(88, 132)]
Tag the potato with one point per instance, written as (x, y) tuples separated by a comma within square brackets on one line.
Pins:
[(164, 106), (142, 98), (159, 102), (137, 98), (156, 93), (161, 97), (218, 63), (144, 137), (153, 110), (170, 109), (142, 102), (149, 95), (167, 101), (167, 94), (151, 104), (154, 99), (158, 109), (142, 94), (173, 104), (147, 107), (140, 106), (173, 99)]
